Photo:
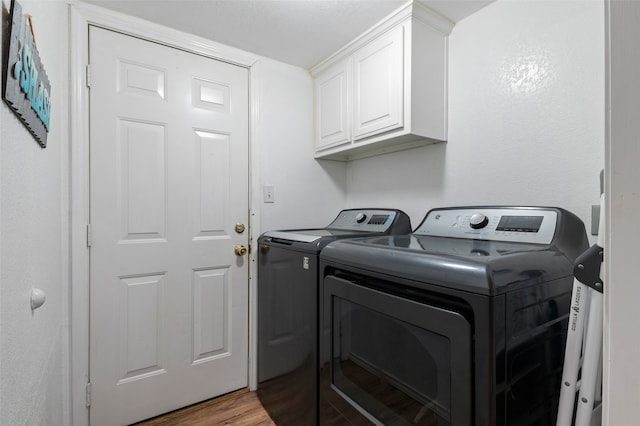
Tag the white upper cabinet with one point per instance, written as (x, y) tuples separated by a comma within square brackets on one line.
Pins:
[(386, 90), (377, 85), (333, 118)]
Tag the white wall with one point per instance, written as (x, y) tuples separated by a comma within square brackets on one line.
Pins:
[(622, 290), (526, 122), (308, 193), (34, 235)]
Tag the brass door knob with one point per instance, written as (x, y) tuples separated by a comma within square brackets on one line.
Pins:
[(239, 228), (240, 250)]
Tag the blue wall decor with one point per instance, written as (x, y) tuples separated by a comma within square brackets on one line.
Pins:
[(26, 87)]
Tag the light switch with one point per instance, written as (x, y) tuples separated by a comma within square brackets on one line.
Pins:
[(268, 194)]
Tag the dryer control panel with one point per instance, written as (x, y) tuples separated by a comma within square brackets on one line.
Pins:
[(515, 224), (372, 220)]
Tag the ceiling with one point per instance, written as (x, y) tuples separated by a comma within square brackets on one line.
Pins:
[(297, 32)]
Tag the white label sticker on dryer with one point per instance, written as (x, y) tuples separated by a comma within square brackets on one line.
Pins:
[(305, 262)]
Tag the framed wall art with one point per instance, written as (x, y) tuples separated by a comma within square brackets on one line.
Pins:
[(26, 88)]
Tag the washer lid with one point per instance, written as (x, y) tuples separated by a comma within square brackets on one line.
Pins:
[(308, 240), (308, 236), (314, 235), (478, 266), (483, 249), (349, 223)]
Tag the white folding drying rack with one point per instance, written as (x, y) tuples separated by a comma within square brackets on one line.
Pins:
[(583, 352)]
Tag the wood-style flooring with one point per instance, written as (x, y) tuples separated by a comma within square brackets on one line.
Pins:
[(237, 408)]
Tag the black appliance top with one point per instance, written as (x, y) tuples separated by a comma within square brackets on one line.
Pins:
[(350, 223), (484, 250)]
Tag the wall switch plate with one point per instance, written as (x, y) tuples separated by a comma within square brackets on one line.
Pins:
[(268, 194)]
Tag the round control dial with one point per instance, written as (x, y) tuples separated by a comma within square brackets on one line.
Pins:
[(478, 221), (360, 217)]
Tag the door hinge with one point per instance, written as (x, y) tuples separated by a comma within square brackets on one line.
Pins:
[(88, 75), (89, 235), (88, 395)]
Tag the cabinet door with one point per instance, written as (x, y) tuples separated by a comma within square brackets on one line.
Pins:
[(333, 120), (378, 85)]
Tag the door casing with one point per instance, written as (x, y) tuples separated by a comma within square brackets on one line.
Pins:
[(81, 16)]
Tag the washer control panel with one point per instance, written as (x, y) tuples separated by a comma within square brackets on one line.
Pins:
[(521, 225), (364, 220)]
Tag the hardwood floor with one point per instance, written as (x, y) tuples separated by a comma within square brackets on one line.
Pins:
[(237, 408)]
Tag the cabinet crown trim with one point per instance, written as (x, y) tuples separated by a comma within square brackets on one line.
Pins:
[(412, 9)]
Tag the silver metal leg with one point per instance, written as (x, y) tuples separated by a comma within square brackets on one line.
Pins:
[(573, 352)]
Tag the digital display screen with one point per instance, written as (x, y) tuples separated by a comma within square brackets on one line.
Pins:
[(519, 223), (378, 219)]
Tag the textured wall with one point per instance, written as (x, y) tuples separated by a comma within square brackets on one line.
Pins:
[(34, 243), (308, 193), (526, 116)]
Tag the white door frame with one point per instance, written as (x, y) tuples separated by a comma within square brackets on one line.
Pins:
[(81, 16), (622, 204)]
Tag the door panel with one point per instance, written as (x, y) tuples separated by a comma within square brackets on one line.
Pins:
[(378, 85), (333, 106), (143, 177), (169, 181), (141, 326)]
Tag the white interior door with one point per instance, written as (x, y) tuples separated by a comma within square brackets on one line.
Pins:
[(169, 182)]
